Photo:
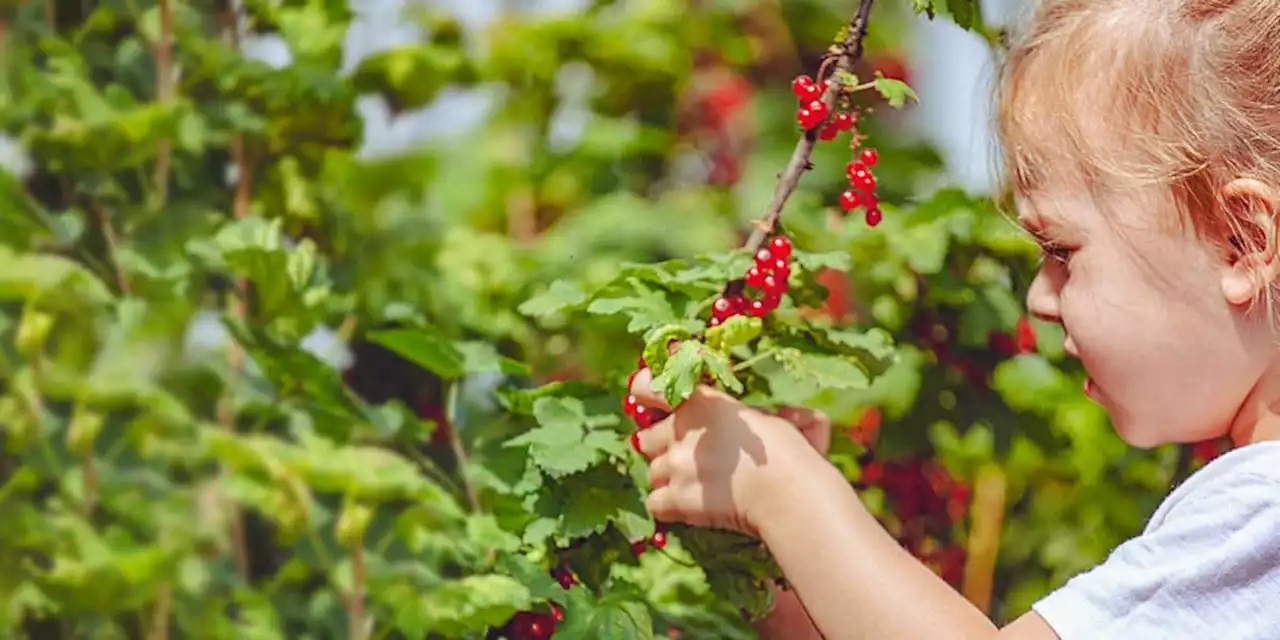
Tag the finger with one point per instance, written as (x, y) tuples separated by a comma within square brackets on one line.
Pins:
[(662, 505), (660, 471), (815, 426), (656, 440)]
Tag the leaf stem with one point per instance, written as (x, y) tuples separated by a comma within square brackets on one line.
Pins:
[(759, 357)]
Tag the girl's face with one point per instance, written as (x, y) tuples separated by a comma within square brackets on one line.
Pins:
[(1142, 306)]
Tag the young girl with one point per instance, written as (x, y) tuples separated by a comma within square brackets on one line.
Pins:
[(1143, 139)]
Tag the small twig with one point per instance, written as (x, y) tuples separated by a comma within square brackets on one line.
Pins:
[(455, 442), (846, 55), (89, 479), (164, 95), (113, 246)]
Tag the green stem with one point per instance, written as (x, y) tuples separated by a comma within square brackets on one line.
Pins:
[(750, 362)]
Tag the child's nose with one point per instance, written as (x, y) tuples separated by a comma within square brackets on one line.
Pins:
[(1042, 298)]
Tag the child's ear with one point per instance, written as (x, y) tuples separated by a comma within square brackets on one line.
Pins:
[(1255, 257)]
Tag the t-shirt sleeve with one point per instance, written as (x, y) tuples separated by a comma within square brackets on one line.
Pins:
[(1211, 569)]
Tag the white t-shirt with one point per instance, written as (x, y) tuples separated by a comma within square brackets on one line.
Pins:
[(1206, 567)]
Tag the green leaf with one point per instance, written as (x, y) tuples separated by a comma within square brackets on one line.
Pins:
[(457, 607), (682, 374), (734, 332), (896, 92), (657, 344), (560, 297), (561, 445), (646, 308), (426, 347), (1029, 383)]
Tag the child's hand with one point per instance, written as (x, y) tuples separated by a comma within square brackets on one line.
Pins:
[(715, 461)]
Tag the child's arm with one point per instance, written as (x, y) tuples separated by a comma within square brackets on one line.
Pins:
[(716, 462)]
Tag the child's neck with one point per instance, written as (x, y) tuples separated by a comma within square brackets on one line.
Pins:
[(1258, 419)]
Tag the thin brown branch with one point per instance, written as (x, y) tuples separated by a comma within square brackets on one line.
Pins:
[(235, 356), (160, 617), (355, 600), (164, 95), (846, 54)]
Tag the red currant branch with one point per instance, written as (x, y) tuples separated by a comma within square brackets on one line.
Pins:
[(846, 54)]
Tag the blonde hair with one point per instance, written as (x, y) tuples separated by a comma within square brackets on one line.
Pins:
[(1131, 93)]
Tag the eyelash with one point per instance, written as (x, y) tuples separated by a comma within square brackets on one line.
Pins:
[(1057, 252)]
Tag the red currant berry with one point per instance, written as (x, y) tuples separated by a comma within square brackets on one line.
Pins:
[(870, 200), (771, 301), (870, 157), (874, 216), (819, 109), (812, 114), (723, 308), (659, 540), (780, 247), (641, 364), (865, 181), (764, 259), (854, 168), (566, 580), (804, 117), (782, 270), (773, 285), (643, 417), (557, 612), (630, 405), (828, 132), (639, 547), (809, 94), (714, 322), (757, 308), (635, 442), (844, 121), (755, 277), (800, 85), (849, 200)]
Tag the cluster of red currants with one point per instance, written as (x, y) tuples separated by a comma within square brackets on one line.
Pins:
[(813, 112), (536, 625), (768, 276), (862, 187), (925, 498), (644, 418)]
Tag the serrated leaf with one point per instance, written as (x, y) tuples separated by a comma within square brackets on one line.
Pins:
[(682, 374), (734, 332), (646, 309), (561, 445), (483, 357), (561, 296), (456, 607), (656, 349), (895, 92), (838, 260)]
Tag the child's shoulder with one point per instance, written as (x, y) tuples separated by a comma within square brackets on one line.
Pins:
[(1219, 485), (1207, 566)]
